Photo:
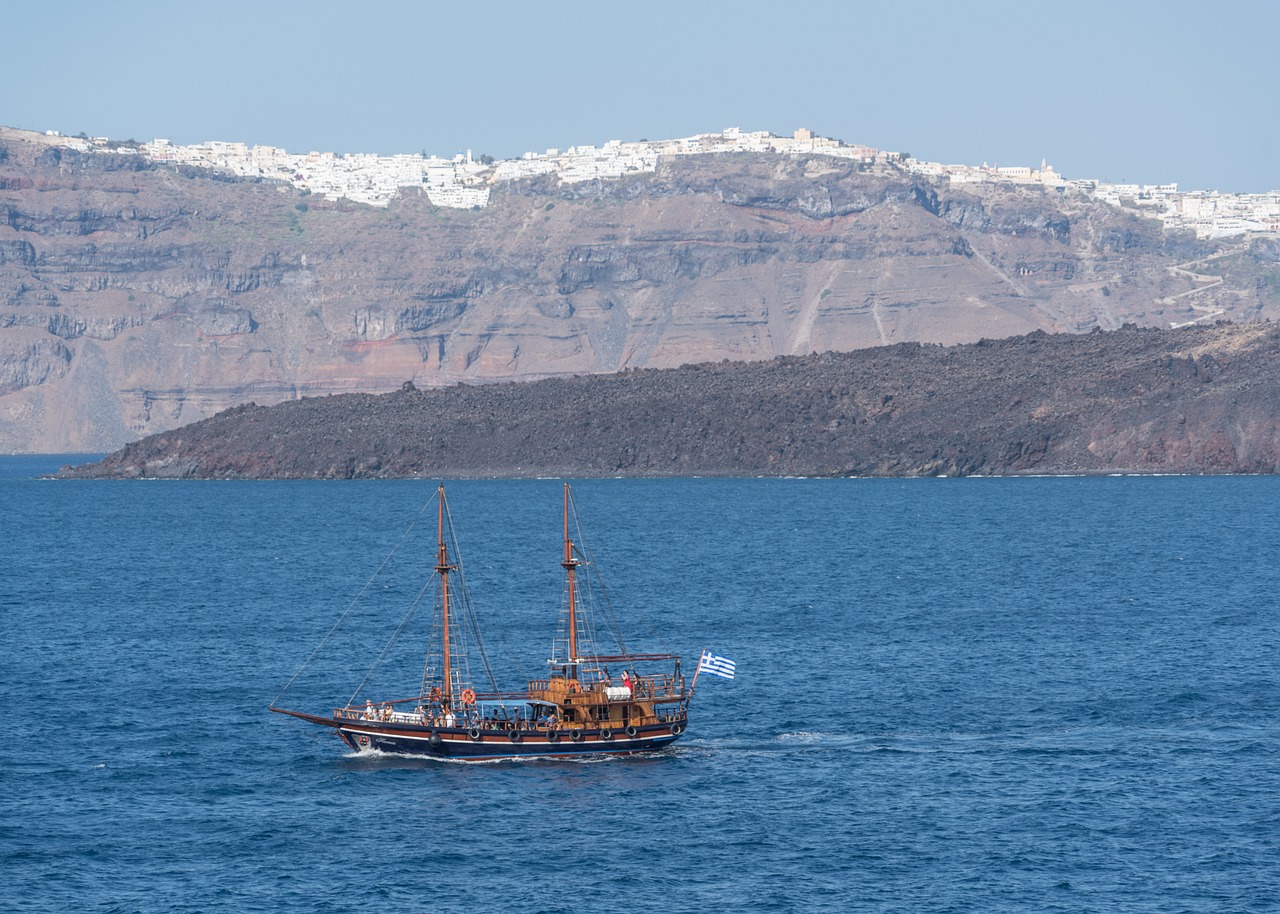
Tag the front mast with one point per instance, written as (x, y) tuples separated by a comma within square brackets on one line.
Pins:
[(570, 565)]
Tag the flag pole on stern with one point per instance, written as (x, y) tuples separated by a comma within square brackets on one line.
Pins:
[(697, 672), (713, 664)]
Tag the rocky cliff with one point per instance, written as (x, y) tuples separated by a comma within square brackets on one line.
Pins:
[(1195, 400), (135, 298)]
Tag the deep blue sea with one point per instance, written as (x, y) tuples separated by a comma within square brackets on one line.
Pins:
[(967, 695)]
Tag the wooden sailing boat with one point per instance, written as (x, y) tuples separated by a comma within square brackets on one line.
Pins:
[(579, 708)]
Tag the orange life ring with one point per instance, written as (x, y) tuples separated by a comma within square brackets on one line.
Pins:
[(468, 697)]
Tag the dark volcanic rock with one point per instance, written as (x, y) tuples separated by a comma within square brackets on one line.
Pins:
[(1197, 400)]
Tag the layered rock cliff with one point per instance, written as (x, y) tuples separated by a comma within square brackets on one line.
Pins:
[(135, 298), (1195, 400)]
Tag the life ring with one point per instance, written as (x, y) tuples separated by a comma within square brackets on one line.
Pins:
[(474, 733), (515, 736), (677, 729), (468, 696), (632, 731), (553, 735), (606, 733), (575, 734)]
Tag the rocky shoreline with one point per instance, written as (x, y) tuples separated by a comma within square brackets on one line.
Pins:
[(1141, 400)]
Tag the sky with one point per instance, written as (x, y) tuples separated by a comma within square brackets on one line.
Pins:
[(1141, 92)]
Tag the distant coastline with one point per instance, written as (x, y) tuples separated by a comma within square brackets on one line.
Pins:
[(464, 182), (143, 296)]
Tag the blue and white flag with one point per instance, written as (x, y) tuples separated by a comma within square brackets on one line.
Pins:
[(716, 666)]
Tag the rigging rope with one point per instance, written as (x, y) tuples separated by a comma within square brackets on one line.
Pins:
[(468, 608), (595, 591), (413, 607), (599, 594), (350, 606)]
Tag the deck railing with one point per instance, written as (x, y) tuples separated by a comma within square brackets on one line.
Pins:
[(473, 718), (656, 687)]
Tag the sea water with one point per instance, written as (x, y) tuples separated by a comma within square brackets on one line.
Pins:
[(951, 695)]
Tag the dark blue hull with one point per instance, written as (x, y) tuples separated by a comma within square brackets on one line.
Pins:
[(475, 744), (479, 745)]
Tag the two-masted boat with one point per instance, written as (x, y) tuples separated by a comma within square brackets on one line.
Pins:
[(614, 702)]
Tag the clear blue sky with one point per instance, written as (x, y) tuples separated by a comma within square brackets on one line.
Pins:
[(1146, 92)]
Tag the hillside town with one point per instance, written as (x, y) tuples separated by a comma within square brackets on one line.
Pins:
[(464, 182)]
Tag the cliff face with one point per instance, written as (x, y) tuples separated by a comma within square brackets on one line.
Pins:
[(1196, 400), (135, 298)]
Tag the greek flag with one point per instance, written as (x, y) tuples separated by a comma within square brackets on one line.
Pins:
[(716, 666)]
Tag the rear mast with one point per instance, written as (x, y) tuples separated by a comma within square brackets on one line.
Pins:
[(570, 565), (443, 568)]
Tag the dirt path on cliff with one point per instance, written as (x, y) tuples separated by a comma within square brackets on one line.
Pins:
[(1210, 281), (1005, 277)]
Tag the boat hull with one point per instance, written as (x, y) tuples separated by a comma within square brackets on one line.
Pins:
[(476, 744)]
